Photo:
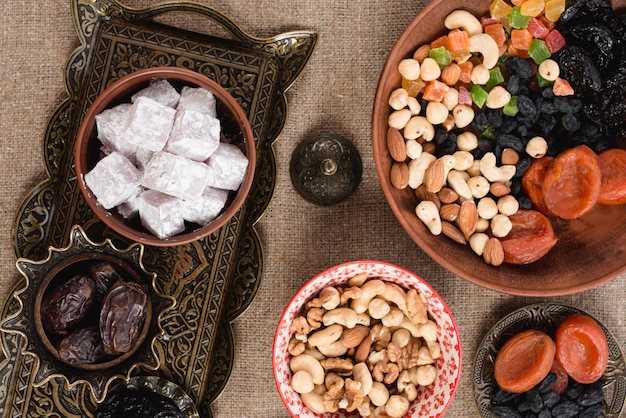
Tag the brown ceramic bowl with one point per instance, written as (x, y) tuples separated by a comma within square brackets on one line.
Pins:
[(79, 264), (234, 124), (590, 250)]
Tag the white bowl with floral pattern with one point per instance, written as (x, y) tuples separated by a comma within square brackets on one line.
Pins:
[(432, 400)]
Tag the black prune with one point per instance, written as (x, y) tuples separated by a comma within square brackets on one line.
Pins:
[(68, 304), (122, 316), (598, 40), (140, 403), (580, 70), (83, 346)]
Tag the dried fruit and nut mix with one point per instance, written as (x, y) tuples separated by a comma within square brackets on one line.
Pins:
[(94, 314), (485, 112), (366, 347), (553, 376)]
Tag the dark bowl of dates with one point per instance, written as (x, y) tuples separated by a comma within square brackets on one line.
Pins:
[(92, 311), (165, 156), (589, 249), (147, 396), (575, 390)]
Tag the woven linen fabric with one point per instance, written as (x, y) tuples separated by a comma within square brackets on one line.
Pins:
[(334, 94)]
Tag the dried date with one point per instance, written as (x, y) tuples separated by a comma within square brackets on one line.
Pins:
[(104, 275), (83, 346), (68, 304), (122, 316)]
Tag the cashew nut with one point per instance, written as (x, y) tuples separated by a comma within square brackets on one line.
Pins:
[(361, 374), (302, 382), (378, 308), (393, 318), (326, 336), (494, 174), (334, 349), (418, 167), (462, 19), (413, 149), (394, 294), (342, 316), (330, 298), (418, 127), (309, 364), (314, 402), (458, 183), (427, 212), (369, 291), (487, 46)]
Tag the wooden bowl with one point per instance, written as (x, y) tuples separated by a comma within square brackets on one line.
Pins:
[(590, 250), (234, 124)]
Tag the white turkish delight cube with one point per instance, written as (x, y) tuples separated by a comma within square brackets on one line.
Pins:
[(113, 180), (142, 157), (175, 175), (195, 135), (161, 214), (160, 90), (227, 167), (205, 208), (129, 209), (111, 127), (198, 99), (150, 124)]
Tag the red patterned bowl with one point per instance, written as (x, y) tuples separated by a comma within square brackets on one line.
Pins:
[(431, 400)]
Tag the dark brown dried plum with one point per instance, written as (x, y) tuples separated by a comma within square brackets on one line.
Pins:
[(599, 41), (83, 346), (68, 304), (104, 275), (140, 403), (122, 316), (580, 70)]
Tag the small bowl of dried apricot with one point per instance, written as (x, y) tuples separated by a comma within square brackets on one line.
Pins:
[(366, 338), (549, 360), (498, 132)]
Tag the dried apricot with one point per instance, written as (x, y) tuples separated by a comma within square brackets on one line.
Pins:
[(532, 180), (562, 379), (524, 361), (531, 237), (613, 169), (571, 185), (581, 348)]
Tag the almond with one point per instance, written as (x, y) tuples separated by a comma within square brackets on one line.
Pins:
[(353, 337), (499, 189), (399, 175), (452, 232), (447, 195), (493, 253), (422, 194), (509, 156), (421, 53), (450, 212), (451, 74), (468, 218), (437, 172), (396, 145)]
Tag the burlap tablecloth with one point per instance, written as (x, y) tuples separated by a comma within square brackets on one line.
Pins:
[(334, 94)]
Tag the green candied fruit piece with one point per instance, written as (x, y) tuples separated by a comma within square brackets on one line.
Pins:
[(543, 82), (538, 51), (441, 56), (495, 78), (517, 20), (510, 109), (489, 133), (479, 95)]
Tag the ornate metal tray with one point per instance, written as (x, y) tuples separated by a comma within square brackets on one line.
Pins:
[(544, 317), (212, 280)]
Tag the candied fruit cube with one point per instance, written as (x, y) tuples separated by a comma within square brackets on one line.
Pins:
[(441, 56), (499, 9), (532, 8), (517, 20), (113, 180), (555, 41), (479, 95), (161, 214), (161, 91), (205, 208), (496, 31), (510, 109), (537, 29), (149, 124), (538, 51), (198, 99), (521, 39), (554, 9), (227, 167), (194, 135), (175, 175)]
